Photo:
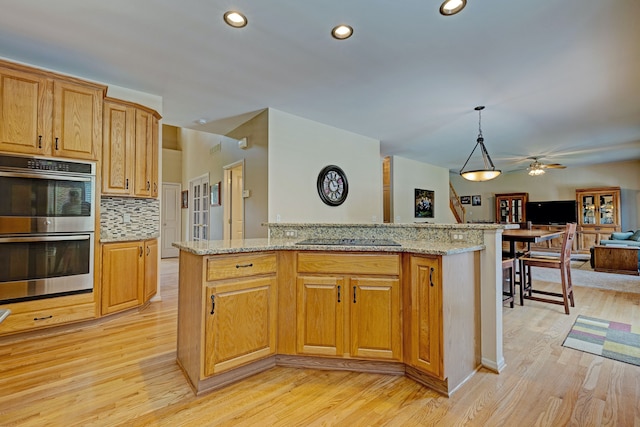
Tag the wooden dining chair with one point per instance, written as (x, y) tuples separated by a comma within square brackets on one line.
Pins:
[(563, 264), (508, 280)]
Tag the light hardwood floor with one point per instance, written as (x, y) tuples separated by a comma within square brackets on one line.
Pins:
[(122, 371)]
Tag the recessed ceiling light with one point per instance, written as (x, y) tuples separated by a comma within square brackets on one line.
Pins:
[(342, 32), (451, 7), (235, 19)]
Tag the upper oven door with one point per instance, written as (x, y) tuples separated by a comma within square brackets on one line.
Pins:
[(34, 202)]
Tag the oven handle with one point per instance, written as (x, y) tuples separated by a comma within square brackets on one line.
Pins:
[(47, 176), (43, 238)]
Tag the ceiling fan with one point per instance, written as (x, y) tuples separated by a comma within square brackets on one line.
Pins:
[(537, 168)]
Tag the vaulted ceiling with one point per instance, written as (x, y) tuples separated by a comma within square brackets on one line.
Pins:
[(560, 80)]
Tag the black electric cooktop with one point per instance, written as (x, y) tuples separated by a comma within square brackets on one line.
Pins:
[(349, 242)]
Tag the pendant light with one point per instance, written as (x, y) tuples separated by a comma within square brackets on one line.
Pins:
[(489, 172)]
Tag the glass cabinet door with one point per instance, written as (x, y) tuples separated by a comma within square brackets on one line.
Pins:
[(588, 209), (607, 209)]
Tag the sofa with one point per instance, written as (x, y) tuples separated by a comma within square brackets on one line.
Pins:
[(624, 238)]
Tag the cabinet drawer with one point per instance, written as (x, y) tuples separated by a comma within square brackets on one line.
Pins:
[(46, 317), (332, 263), (244, 265)]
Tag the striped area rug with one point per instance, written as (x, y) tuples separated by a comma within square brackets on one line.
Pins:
[(614, 340)]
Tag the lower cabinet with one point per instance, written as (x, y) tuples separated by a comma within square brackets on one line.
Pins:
[(44, 313), (240, 323), (425, 347), (125, 282), (227, 316), (349, 315)]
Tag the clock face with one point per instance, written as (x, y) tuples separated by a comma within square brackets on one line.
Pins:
[(332, 185)]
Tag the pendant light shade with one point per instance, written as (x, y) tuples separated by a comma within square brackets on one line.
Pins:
[(489, 172)]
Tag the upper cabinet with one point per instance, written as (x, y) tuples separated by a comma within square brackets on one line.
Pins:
[(511, 207), (47, 114), (130, 150)]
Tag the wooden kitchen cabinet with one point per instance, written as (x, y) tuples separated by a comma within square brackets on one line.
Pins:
[(240, 323), (48, 114), (227, 316), (45, 313), (425, 350), (598, 215), (130, 150), (125, 282), (150, 269), (356, 293)]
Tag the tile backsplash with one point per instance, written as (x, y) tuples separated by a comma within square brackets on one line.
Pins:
[(129, 218)]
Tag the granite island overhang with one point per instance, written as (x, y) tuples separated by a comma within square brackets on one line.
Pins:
[(461, 271)]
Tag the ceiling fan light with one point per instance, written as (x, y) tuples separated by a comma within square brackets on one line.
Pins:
[(451, 7), (536, 171)]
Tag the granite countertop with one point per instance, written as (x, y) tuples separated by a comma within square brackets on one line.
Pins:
[(128, 238), (215, 247)]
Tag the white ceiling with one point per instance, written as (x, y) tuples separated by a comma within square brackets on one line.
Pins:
[(562, 83)]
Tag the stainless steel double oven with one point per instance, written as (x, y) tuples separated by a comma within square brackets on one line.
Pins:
[(47, 227)]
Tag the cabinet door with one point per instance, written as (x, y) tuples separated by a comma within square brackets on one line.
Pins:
[(154, 158), (118, 149), (240, 323), (320, 315), (143, 153), (122, 276), (77, 120), (25, 112), (426, 316), (150, 269), (375, 318)]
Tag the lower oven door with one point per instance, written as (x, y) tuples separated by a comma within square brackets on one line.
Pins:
[(44, 266)]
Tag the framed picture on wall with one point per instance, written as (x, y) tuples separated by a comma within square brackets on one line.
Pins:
[(185, 199), (424, 203), (476, 200), (465, 200), (215, 194)]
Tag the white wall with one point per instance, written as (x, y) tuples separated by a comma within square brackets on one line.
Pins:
[(558, 184), (407, 175), (298, 150)]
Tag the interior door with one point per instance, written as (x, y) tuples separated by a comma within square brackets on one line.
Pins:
[(199, 208), (171, 218), (233, 201)]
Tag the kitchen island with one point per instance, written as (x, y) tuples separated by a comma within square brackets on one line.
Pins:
[(412, 308)]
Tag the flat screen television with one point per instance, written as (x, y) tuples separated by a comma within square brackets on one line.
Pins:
[(552, 212)]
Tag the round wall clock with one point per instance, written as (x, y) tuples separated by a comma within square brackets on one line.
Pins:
[(332, 185)]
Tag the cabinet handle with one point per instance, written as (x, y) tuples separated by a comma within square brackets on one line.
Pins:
[(338, 293), (155, 187), (141, 251), (56, 143), (148, 185), (39, 141), (431, 276), (43, 318), (243, 265), (213, 303), (126, 184), (148, 250), (354, 294)]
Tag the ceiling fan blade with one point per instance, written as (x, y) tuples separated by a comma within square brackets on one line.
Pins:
[(554, 166)]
